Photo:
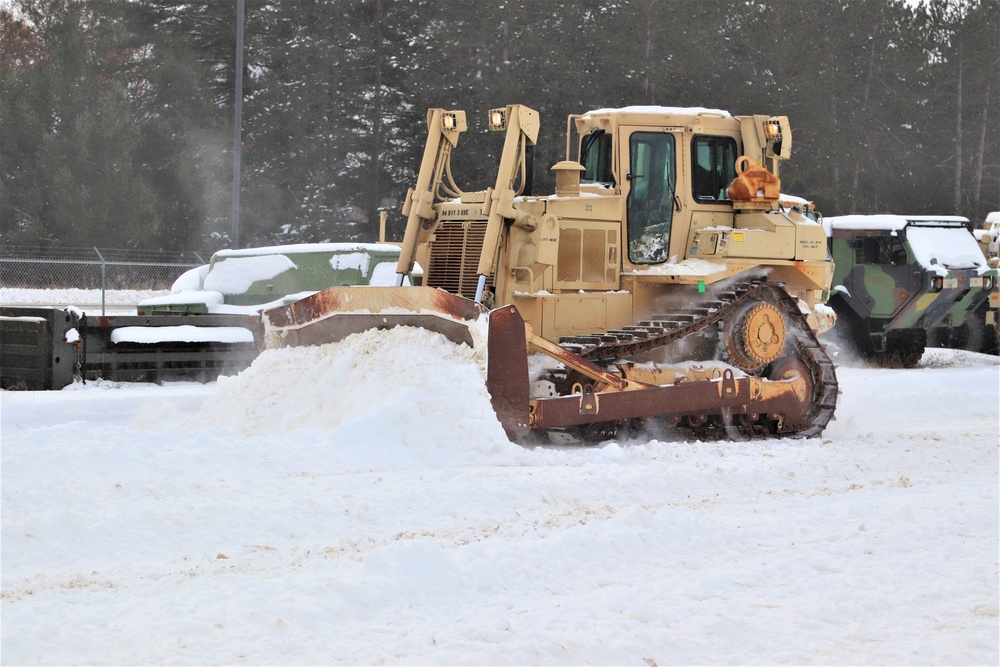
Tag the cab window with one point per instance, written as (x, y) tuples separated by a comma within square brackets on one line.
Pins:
[(595, 156), (714, 168), (888, 250)]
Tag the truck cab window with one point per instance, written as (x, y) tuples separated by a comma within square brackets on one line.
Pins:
[(652, 178), (888, 250), (714, 168), (595, 156)]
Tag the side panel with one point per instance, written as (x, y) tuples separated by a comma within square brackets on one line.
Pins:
[(569, 314), (762, 236), (588, 256)]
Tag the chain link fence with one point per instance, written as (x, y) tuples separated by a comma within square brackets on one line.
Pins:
[(97, 281)]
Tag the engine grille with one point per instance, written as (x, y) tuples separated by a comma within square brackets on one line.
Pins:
[(454, 257)]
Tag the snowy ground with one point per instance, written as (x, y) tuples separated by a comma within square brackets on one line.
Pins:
[(320, 508)]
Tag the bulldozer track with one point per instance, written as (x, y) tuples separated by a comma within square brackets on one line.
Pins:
[(665, 329)]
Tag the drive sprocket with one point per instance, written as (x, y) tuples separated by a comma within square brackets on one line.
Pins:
[(755, 336)]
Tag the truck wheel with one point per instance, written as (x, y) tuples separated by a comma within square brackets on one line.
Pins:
[(979, 336), (850, 335), (903, 349)]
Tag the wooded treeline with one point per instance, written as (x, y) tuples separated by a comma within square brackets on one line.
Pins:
[(116, 116)]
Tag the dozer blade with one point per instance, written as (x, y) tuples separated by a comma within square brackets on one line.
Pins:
[(338, 312)]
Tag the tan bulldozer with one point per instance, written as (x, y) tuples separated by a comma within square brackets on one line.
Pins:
[(662, 285)]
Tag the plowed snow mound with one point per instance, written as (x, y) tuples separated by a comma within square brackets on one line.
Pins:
[(394, 386), (936, 357)]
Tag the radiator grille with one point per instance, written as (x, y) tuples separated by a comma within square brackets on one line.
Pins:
[(454, 257)]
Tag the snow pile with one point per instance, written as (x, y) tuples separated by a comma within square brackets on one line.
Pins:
[(939, 357), (405, 386), (191, 280), (237, 274), (185, 333), (357, 261), (692, 266), (210, 300), (384, 275), (955, 248)]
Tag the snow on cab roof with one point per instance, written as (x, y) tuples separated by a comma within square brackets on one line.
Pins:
[(993, 216), (308, 247), (889, 222), (937, 218), (792, 199), (684, 111)]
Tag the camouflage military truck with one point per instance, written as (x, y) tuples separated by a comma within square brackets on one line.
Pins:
[(249, 280), (902, 283), (989, 241)]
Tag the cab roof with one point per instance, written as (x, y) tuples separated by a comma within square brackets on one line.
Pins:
[(889, 222)]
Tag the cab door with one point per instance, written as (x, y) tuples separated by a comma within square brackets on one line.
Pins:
[(882, 277), (650, 189)]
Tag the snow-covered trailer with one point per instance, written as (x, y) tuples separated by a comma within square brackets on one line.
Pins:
[(47, 348)]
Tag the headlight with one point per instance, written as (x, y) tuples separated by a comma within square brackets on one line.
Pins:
[(772, 128), (453, 121), (937, 283), (498, 119)]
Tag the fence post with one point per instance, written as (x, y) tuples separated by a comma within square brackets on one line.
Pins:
[(103, 279)]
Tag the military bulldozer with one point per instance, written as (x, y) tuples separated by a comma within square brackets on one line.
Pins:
[(904, 283), (661, 285)]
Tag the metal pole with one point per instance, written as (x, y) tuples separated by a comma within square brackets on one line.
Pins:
[(480, 288), (103, 280), (237, 128)]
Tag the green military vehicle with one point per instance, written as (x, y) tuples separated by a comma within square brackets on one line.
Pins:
[(902, 283), (989, 241), (249, 280), (209, 326)]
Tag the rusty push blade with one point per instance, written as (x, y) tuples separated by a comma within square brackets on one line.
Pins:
[(335, 313)]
